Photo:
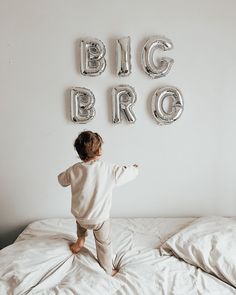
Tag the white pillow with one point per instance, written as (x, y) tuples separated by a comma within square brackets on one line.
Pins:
[(208, 243)]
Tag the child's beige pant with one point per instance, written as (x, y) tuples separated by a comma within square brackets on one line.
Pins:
[(101, 234)]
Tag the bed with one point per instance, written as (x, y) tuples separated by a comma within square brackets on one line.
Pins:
[(169, 256)]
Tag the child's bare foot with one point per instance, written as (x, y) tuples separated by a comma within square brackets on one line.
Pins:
[(114, 272), (76, 247)]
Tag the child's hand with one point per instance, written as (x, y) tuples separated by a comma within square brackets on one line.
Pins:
[(135, 165)]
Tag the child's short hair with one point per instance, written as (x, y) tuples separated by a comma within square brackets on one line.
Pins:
[(88, 145)]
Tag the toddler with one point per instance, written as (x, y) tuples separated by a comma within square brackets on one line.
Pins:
[(92, 182)]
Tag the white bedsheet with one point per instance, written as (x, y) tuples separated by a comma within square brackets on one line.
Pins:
[(40, 262)]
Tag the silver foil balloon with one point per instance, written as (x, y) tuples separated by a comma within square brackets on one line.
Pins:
[(123, 99), (82, 105), (93, 61), (164, 64), (123, 57), (176, 105)]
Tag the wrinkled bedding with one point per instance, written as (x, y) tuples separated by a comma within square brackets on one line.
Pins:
[(40, 262)]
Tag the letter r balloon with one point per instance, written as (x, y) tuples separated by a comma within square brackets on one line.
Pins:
[(123, 99)]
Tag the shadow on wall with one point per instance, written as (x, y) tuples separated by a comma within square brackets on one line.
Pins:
[(8, 234), (8, 237)]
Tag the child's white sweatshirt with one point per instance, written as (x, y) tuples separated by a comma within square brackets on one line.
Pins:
[(91, 187)]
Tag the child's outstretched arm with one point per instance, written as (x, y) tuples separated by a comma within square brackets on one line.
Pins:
[(124, 174)]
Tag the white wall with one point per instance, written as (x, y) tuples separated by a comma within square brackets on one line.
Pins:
[(186, 169)]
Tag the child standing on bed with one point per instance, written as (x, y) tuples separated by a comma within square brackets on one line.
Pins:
[(92, 182)]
